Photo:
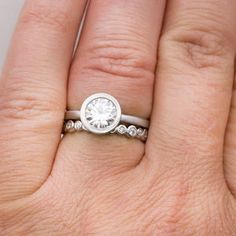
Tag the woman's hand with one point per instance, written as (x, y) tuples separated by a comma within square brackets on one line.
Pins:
[(182, 181)]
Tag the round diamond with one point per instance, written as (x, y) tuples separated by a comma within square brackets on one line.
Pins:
[(78, 125), (132, 130), (121, 129), (140, 132), (69, 126), (100, 113)]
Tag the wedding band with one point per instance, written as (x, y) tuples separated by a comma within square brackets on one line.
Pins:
[(129, 131), (127, 119), (101, 114)]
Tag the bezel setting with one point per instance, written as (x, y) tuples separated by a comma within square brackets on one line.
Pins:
[(92, 106)]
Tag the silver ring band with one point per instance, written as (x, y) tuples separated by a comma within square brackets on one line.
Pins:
[(101, 114), (131, 131), (126, 119)]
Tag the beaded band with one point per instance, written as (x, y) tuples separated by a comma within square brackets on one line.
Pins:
[(101, 114), (130, 131)]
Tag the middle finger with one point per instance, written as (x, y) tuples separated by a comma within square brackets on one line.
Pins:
[(192, 98)]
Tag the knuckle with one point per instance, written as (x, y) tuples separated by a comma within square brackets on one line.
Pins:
[(42, 14), (20, 107), (21, 99), (200, 47), (114, 57), (122, 64)]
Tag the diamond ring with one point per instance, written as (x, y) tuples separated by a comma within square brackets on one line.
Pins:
[(101, 114)]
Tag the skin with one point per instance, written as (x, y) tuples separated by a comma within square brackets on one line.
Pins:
[(182, 181)]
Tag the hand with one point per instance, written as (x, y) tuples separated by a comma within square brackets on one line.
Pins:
[(182, 181)]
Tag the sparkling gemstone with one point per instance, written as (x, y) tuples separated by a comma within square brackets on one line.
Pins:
[(145, 135), (132, 130), (140, 132), (101, 113), (121, 129), (78, 125), (69, 126)]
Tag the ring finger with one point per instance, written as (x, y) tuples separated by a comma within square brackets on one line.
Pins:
[(117, 55)]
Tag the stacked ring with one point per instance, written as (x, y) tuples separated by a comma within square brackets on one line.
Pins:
[(101, 114)]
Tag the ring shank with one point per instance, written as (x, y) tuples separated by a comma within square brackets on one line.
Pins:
[(128, 119)]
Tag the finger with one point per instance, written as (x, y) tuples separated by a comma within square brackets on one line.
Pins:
[(116, 55), (193, 92), (33, 93)]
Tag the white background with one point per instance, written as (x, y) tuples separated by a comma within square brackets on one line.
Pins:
[(9, 11)]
